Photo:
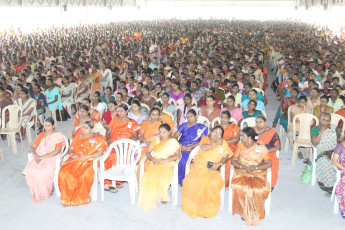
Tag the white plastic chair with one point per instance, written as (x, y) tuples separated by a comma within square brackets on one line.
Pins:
[(232, 120), (222, 172), (336, 206), (74, 93), (268, 200), (12, 126), (335, 119), (203, 120), (260, 91), (250, 121), (146, 106), (127, 156), (174, 178)]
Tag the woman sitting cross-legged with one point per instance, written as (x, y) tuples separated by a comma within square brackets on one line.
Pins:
[(76, 175), (324, 138), (157, 177), (249, 184), (39, 172), (202, 185)]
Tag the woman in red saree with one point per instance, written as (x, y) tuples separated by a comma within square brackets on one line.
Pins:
[(157, 177), (120, 127), (249, 184), (232, 137), (111, 113), (270, 138), (76, 175)]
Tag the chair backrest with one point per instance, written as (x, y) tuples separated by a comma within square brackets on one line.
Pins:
[(335, 119), (214, 121), (289, 116), (191, 157), (75, 89), (305, 122), (263, 112), (250, 121), (260, 91), (179, 101), (145, 106), (127, 151), (14, 113), (203, 120)]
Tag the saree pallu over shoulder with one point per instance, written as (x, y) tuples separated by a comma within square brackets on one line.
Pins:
[(157, 178), (123, 129), (76, 177), (201, 187), (250, 190)]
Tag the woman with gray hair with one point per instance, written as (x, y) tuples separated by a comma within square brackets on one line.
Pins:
[(324, 137)]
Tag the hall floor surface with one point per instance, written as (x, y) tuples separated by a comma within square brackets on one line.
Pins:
[(294, 205)]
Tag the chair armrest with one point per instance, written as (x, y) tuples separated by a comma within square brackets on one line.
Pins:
[(30, 156), (269, 176)]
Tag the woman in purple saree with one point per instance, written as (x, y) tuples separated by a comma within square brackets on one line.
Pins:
[(191, 133)]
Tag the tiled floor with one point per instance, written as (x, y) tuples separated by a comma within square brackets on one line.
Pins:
[(294, 205)]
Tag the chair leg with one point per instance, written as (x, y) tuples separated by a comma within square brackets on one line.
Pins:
[(336, 207), (286, 144), (230, 200), (101, 182), (13, 142), (56, 186), (94, 189), (28, 133), (2, 156), (222, 197), (294, 154), (313, 177), (131, 185)]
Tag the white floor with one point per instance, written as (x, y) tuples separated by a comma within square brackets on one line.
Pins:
[(294, 205)]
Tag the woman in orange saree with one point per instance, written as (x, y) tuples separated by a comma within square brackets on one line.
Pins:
[(232, 137), (40, 171), (156, 180), (120, 127), (249, 184), (202, 185), (76, 175), (165, 117), (149, 130), (270, 138)]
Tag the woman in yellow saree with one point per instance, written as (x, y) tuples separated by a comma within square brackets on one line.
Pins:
[(156, 179), (202, 185), (249, 184), (76, 175)]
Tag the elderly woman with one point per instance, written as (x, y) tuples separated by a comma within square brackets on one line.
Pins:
[(299, 108), (339, 162), (40, 171), (76, 175), (249, 183), (202, 185), (156, 180), (270, 138), (324, 138)]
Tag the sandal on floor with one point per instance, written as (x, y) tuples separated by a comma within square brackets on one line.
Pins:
[(164, 202), (307, 161), (119, 185), (111, 189), (300, 155)]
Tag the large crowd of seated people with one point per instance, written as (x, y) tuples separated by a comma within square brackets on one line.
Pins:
[(174, 86)]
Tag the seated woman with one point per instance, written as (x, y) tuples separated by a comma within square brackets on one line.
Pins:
[(191, 133), (94, 113), (53, 97), (40, 171), (184, 108), (136, 113), (76, 175), (67, 95), (252, 96), (84, 115), (97, 104), (270, 138), (40, 98), (84, 88), (235, 112), (111, 113), (27, 106), (108, 95), (202, 185), (165, 117), (282, 111), (121, 127), (339, 161), (324, 138), (299, 108), (322, 108), (210, 111), (146, 98), (249, 184), (232, 137), (176, 92), (167, 107), (252, 111), (156, 180)]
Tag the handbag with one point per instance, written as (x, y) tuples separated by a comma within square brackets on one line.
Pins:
[(306, 174)]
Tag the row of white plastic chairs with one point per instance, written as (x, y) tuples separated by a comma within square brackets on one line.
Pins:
[(128, 153)]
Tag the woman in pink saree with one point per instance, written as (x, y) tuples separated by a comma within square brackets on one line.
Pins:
[(40, 171)]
